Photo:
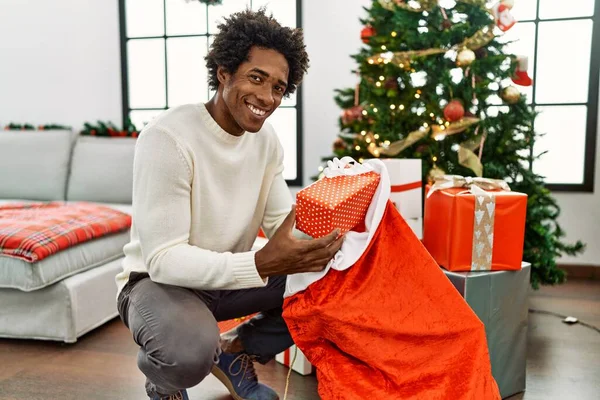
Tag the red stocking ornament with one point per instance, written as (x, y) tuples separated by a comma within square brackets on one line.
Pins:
[(521, 77)]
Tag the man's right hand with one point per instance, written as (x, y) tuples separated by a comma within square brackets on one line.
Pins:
[(285, 255)]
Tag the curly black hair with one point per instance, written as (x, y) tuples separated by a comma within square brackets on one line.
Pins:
[(245, 29)]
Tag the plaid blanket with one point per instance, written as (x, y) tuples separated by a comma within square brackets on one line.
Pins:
[(34, 231)]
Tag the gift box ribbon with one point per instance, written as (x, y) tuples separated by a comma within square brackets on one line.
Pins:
[(406, 187), (483, 229), (457, 181), (483, 218)]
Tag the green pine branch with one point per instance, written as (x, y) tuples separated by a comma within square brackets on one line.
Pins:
[(30, 127), (108, 129)]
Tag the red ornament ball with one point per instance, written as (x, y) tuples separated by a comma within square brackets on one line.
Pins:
[(454, 111), (366, 33), (339, 145), (352, 114)]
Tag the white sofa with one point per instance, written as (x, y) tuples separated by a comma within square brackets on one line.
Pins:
[(72, 292)]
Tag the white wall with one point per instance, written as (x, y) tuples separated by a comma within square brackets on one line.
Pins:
[(59, 61), (332, 33)]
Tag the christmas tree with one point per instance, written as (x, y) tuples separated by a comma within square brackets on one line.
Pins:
[(436, 84)]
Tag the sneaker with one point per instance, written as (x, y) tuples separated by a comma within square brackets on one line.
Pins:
[(181, 395), (236, 371)]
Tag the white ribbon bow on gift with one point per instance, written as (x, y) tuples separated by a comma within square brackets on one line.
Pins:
[(346, 166), (474, 185)]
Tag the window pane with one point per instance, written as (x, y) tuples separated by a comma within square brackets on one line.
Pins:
[(228, 7), (145, 18), (561, 9), (146, 71), (290, 101), (564, 128), (284, 11), (563, 61), (284, 123), (522, 37), (524, 10), (187, 70), (185, 18), (141, 117)]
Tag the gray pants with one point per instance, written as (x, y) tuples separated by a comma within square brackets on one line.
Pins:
[(176, 328)]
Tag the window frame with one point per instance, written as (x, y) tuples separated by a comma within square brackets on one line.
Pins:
[(589, 161), (126, 109)]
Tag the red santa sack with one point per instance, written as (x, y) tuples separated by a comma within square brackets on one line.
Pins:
[(391, 326)]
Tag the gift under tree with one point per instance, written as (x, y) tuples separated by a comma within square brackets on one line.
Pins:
[(435, 83)]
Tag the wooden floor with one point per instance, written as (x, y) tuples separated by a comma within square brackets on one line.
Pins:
[(563, 361)]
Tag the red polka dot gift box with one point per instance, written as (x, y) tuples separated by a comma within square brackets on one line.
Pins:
[(336, 202)]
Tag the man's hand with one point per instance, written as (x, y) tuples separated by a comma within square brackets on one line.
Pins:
[(286, 255)]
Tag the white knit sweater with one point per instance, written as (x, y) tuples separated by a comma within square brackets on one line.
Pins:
[(199, 198)]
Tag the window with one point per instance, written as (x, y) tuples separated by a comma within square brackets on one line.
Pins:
[(163, 45), (562, 41)]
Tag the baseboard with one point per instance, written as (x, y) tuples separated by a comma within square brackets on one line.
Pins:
[(581, 271)]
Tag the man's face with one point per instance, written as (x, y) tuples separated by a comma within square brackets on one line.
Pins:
[(256, 89)]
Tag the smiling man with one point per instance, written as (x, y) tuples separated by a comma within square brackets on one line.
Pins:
[(206, 178)]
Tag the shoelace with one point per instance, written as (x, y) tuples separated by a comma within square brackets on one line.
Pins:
[(246, 367), (176, 396)]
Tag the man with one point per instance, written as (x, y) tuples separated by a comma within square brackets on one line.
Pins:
[(206, 178)]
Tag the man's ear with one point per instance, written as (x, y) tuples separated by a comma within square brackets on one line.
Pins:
[(222, 75)]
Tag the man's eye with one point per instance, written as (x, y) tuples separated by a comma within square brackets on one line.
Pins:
[(255, 78), (279, 89)]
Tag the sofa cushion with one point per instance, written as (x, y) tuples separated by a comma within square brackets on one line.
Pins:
[(19, 274), (102, 170), (63, 311), (34, 164)]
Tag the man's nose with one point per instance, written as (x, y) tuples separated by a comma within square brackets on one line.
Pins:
[(265, 96)]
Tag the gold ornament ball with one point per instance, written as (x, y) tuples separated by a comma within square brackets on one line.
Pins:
[(465, 58), (511, 95)]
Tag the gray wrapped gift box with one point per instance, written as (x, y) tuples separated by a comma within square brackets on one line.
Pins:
[(500, 300)]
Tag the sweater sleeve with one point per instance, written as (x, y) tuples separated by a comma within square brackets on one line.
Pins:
[(162, 215)]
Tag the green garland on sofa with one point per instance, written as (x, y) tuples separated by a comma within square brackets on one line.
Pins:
[(30, 127), (108, 129)]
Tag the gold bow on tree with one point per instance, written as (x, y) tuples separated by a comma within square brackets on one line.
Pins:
[(395, 148), (467, 157), (453, 127)]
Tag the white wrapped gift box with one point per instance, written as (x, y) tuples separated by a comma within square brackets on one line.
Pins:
[(301, 365), (407, 186)]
